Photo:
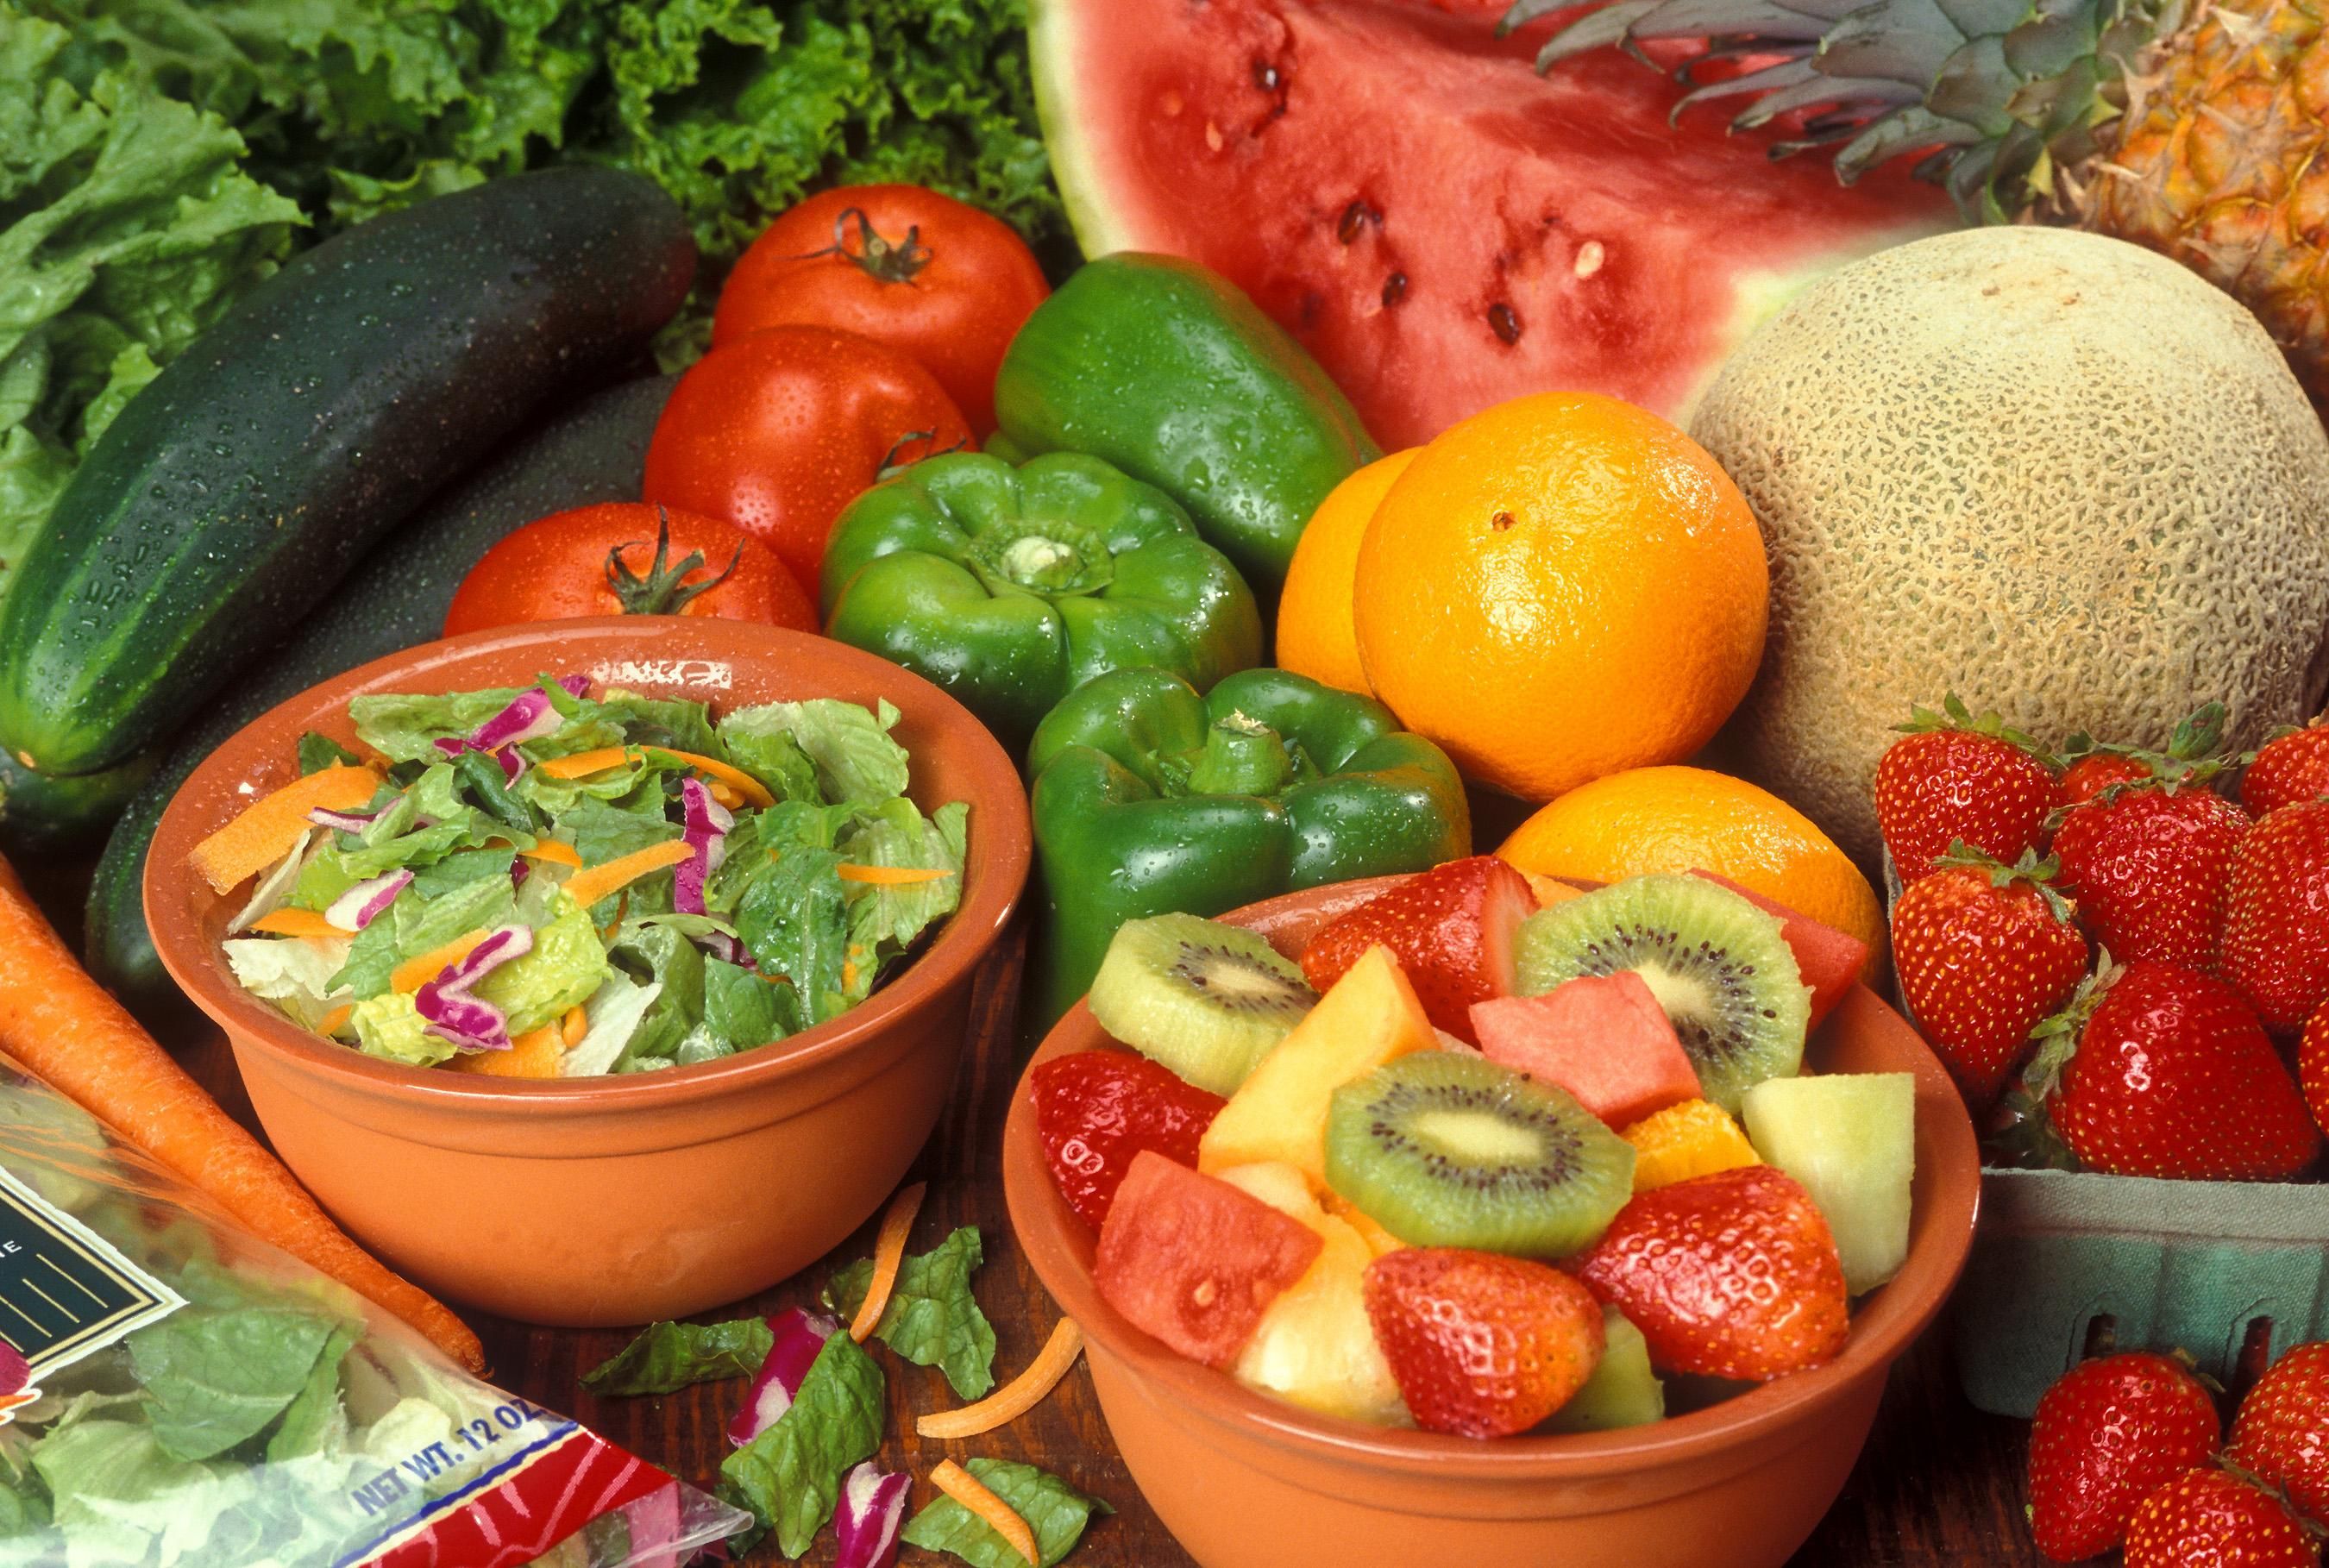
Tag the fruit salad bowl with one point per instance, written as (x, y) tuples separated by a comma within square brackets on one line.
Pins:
[(613, 1199), (1246, 1481)]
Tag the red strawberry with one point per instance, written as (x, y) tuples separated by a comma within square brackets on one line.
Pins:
[(1480, 1344), (1095, 1110), (2147, 865), (2313, 1067), (2209, 1518), (2289, 769), (2159, 1071), (1953, 779), (2107, 1434), (1450, 928), (1730, 1275), (2097, 771), (2276, 934), (2281, 1434), (2193, 756), (1983, 954)]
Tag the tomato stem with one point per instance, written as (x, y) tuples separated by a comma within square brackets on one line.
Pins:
[(881, 260), (663, 591)]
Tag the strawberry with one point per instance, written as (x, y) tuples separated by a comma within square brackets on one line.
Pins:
[(1983, 954), (2313, 1067), (2281, 1434), (2160, 1071), (2193, 756), (1451, 929), (2289, 769), (1095, 1110), (2108, 1434), (2147, 864), (2275, 933), (2098, 771), (1480, 1344), (2211, 1518), (1953, 779), (1730, 1275)]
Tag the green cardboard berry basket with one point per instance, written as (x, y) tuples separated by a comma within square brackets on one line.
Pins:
[(2065, 1262)]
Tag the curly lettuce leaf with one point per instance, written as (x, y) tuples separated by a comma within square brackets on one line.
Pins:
[(1055, 1511), (932, 1319)]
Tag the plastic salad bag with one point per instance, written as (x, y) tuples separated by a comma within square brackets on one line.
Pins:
[(175, 1393)]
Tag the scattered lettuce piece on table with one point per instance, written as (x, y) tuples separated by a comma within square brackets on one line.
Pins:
[(932, 1319), (790, 1477), (1055, 1511), (668, 1356)]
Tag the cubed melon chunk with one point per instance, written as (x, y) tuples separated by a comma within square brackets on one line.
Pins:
[(1623, 1391), (1195, 1262), (1370, 1017), (1830, 961), (1601, 1037), (1695, 1138), (1851, 1140)]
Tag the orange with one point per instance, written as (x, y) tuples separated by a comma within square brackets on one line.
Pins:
[(1314, 635), (1562, 587), (1687, 818)]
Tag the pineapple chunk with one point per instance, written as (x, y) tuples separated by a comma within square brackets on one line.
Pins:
[(1695, 1138), (1366, 1018)]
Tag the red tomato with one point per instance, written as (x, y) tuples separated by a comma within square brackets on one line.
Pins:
[(777, 431), (625, 557), (942, 283)]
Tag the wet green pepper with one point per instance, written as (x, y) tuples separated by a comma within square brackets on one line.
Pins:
[(1012, 587), (1168, 370), (1150, 798)]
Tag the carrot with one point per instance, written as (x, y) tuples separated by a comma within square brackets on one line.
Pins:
[(332, 1022), (419, 970), (1014, 1398), (889, 1251), (266, 829), (550, 852), (583, 763), (592, 883), (573, 1027), (531, 1056), (891, 875), (995, 1514), (63, 1025), (297, 923)]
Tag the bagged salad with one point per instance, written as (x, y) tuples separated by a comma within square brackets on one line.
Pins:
[(547, 882), (175, 1393)]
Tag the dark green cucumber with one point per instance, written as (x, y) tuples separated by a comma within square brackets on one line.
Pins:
[(43, 815), (241, 485), (595, 451)]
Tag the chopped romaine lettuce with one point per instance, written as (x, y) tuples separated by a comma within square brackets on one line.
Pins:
[(854, 756), (1055, 1511), (567, 965), (390, 1027), (932, 1319), (294, 973), (611, 1017)]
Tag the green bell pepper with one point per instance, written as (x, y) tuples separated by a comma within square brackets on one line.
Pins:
[(1150, 798), (1009, 587), (1168, 370)]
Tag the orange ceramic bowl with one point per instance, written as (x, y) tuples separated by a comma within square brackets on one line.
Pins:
[(621, 1199), (1245, 1481)]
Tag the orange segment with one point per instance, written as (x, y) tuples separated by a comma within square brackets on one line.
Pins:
[(1695, 1138), (592, 883), (418, 970), (1014, 1398), (995, 1514), (530, 1055), (1316, 636), (297, 923), (266, 831)]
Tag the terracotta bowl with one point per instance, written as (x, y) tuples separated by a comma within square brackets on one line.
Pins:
[(610, 1200), (1245, 1481)]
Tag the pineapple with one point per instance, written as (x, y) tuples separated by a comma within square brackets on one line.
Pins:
[(2193, 130)]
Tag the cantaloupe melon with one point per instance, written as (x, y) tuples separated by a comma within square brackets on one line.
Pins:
[(2050, 471)]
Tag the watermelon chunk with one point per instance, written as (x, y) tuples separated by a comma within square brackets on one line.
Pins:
[(1194, 1260), (1441, 227), (1830, 961), (1601, 1037)]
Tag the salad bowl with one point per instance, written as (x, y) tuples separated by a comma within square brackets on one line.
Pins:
[(591, 1201), (1246, 1481)]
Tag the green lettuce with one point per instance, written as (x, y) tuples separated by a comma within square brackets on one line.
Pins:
[(790, 1477), (849, 745), (214, 1379), (1055, 1511), (932, 1319), (668, 1356)]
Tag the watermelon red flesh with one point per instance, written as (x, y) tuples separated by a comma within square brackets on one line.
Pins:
[(1315, 150), (1601, 1037)]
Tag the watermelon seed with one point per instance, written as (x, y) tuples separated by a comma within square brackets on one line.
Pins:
[(1265, 75), (1394, 290), (1506, 325), (1355, 219)]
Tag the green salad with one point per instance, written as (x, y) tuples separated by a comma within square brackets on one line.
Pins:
[(550, 882)]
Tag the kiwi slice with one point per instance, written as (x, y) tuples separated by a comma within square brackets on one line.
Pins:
[(1720, 967), (1206, 1000), (1447, 1148)]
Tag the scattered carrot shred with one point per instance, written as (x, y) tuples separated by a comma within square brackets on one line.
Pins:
[(297, 923), (592, 883), (266, 829), (889, 1251), (550, 852), (332, 1022), (891, 875), (583, 763), (573, 1027), (968, 1490), (535, 1055), (421, 969), (1014, 1398)]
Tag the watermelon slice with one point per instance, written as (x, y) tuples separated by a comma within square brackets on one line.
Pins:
[(1440, 226)]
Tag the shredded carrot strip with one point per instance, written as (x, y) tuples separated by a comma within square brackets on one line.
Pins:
[(552, 852), (622, 913), (535, 1055), (592, 883), (891, 875), (332, 1022), (419, 970), (583, 763), (573, 1027), (889, 1251), (727, 795), (297, 923), (1014, 1398), (968, 1490), (264, 830)]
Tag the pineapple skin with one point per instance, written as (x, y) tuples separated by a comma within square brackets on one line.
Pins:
[(2219, 164)]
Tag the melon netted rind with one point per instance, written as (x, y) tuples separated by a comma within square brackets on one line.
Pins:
[(2055, 473)]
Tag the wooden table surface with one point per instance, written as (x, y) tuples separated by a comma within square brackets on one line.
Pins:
[(1939, 1483)]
